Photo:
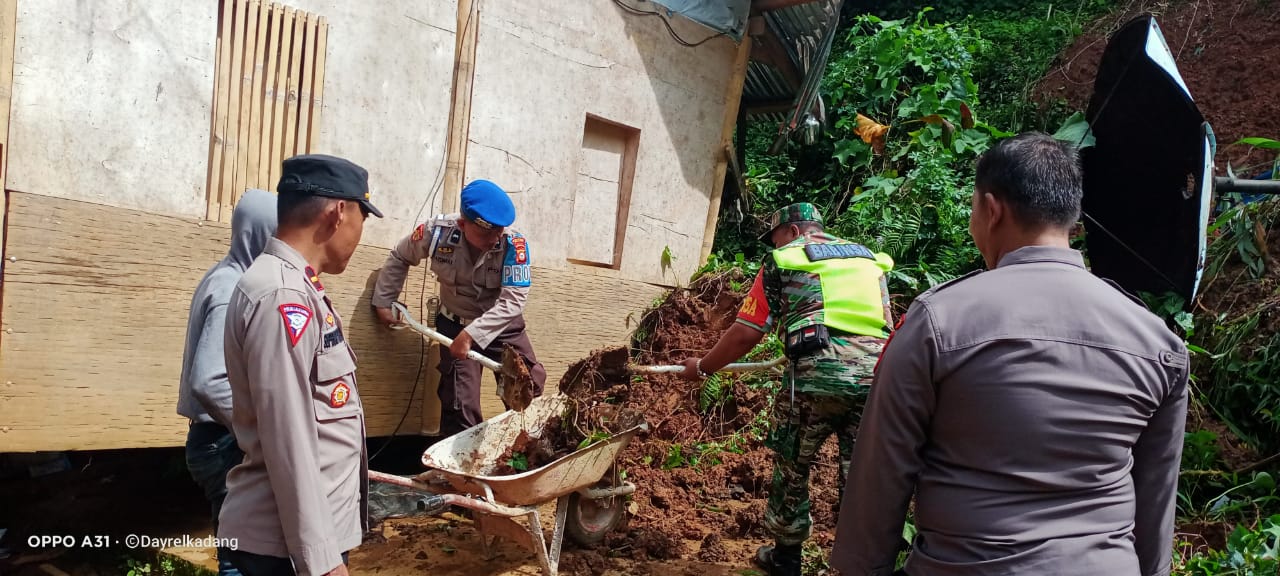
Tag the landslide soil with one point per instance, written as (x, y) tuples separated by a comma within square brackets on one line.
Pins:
[(1223, 49), (682, 510)]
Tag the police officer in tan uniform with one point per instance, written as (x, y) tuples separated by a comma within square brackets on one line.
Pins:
[(483, 269), (298, 501)]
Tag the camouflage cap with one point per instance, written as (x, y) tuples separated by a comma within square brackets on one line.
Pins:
[(798, 212)]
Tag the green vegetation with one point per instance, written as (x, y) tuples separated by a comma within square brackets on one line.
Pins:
[(1240, 359), (519, 462), (1249, 552), (892, 169), (913, 95)]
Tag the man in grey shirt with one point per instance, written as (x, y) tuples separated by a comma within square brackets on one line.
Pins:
[(204, 394), (1035, 410)]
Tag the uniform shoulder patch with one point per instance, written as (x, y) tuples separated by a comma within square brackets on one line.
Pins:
[(419, 233), (755, 307), (296, 319), (340, 395), (521, 246), (515, 263)]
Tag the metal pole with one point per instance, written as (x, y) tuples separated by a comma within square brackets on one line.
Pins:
[(1224, 184)]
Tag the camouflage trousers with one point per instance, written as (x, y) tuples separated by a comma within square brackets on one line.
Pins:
[(802, 425)]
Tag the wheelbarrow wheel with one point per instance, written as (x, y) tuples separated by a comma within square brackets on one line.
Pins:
[(588, 521)]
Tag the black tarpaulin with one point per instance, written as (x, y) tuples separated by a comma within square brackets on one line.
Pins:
[(1148, 179)]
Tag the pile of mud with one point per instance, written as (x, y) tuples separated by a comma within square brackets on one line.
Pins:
[(681, 508), (1220, 46)]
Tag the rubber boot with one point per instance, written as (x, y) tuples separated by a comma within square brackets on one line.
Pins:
[(779, 560)]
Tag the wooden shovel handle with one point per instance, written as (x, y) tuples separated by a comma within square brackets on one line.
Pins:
[(430, 334)]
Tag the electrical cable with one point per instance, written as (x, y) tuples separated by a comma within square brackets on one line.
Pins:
[(667, 23), (1102, 108), (436, 185), (417, 378)]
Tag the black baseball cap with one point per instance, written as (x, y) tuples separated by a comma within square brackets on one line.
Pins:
[(328, 176)]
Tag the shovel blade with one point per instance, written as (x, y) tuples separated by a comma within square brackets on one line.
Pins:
[(515, 384)]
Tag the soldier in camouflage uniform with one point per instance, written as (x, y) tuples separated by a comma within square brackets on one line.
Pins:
[(828, 299)]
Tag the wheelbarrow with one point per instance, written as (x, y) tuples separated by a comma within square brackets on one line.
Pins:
[(589, 495)]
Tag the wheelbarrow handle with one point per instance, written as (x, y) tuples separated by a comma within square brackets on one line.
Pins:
[(736, 367), (427, 332), (437, 503)]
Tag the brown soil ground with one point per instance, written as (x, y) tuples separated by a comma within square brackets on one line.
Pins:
[(690, 511), (453, 548), (1224, 50), (1234, 292)]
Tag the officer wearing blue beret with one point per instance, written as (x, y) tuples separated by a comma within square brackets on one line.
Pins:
[(483, 269)]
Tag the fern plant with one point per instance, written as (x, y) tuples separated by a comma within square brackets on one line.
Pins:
[(715, 390)]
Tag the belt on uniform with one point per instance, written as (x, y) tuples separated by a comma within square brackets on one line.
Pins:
[(453, 317)]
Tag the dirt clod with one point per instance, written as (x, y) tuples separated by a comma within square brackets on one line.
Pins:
[(585, 563), (517, 383), (713, 549)]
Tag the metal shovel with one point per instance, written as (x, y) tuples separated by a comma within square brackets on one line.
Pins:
[(616, 362)]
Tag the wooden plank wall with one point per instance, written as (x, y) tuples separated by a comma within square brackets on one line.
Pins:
[(95, 309), (268, 95)]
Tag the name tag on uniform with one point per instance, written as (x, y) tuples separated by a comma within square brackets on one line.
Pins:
[(334, 338), (817, 252)]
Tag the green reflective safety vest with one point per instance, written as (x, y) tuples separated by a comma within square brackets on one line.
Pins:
[(849, 276)]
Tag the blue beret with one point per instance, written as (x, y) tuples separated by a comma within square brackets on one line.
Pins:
[(488, 205)]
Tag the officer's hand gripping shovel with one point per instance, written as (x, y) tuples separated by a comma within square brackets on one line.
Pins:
[(515, 385)]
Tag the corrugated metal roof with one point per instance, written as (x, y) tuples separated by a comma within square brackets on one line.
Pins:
[(764, 82), (801, 29)]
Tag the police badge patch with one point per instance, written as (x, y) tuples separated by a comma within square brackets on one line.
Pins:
[(296, 319), (341, 393), (515, 263), (522, 249)]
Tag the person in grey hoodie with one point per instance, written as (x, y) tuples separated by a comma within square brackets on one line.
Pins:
[(204, 395)]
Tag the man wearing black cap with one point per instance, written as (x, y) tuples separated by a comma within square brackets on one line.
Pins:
[(483, 268), (298, 501)]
